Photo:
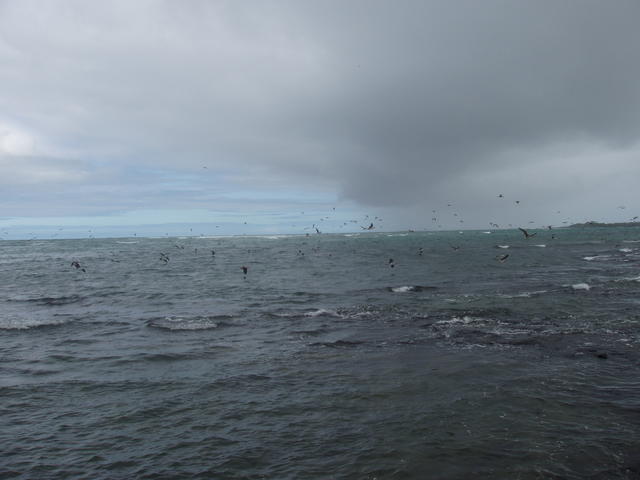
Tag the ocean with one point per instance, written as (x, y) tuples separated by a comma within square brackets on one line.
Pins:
[(415, 355)]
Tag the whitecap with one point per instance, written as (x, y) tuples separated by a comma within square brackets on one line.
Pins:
[(629, 279), (502, 246), (410, 288), (541, 245), (19, 323), (535, 293), (405, 288), (486, 232), (596, 257), (581, 286), (465, 320), (133, 241), (361, 314), (626, 250), (185, 323), (320, 312)]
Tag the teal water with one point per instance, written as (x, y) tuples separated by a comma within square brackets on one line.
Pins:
[(324, 361)]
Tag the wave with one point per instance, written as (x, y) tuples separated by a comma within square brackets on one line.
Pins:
[(50, 301), (337, 344), (21, 323), (323, 312), (190, 323), (535, 293), (310, 333), (169, 356), (319, 312), (273, 237), (464, 320), (628, 279), (342, 313), (410, 288)]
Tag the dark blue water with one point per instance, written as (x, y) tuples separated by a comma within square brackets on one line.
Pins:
[(324, 361)]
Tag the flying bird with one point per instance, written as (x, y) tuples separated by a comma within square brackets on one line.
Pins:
[(526, 234), (502, 258)]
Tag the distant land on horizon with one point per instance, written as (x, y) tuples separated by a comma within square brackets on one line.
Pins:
[(600, 224)]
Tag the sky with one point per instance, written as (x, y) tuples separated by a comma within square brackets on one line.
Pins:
[(224, 117)]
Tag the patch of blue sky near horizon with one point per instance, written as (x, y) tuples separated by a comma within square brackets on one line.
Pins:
[(243, 216)]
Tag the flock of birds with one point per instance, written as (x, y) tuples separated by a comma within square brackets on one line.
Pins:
[(369, 226), (165, 258)]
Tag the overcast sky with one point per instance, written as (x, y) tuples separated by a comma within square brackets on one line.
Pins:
[(120, 114)]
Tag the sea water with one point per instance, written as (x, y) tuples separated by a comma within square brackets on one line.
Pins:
[(364, 356)]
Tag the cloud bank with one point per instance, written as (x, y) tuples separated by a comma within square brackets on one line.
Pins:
[(109, 107)]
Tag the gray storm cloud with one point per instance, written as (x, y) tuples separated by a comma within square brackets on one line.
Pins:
[(388, 104)]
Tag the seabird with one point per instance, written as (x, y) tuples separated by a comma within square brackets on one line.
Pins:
[(527, 234), (76, 264), (502, 258), (244, 269), (164, 257)]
